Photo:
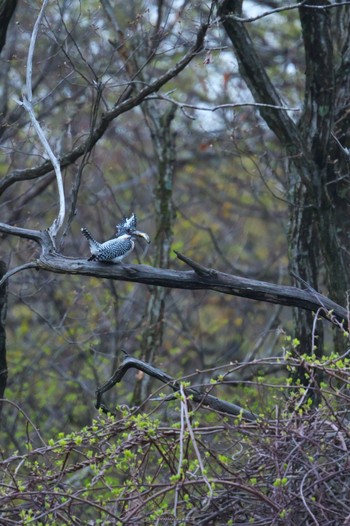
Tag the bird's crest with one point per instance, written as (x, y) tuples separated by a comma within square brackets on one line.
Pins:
[(127, 225)]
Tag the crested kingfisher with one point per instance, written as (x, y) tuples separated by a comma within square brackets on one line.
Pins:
[(116, 249)]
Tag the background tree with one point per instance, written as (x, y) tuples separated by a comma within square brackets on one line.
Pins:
[(318, 162)]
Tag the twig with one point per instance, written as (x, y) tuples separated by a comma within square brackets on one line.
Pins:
[(303, 4), (10, 273), (183, 105), (184, 409), (301, 280), (303, 496), (313, 332), (346, 151)]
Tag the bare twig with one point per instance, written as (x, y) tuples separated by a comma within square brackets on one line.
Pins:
[(184, 409), (304, 4), (196, 107), (15, 270)]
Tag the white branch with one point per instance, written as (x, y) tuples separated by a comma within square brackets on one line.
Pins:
[(58, 222), (28, 106), (183, 105), (31, 52)]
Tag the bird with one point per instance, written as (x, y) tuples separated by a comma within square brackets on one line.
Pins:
[(116, 249)]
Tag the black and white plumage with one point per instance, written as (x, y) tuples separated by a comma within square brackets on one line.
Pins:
[(115, 250), (127, 225)]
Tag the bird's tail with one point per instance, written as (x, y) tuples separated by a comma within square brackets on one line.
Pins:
[(94, 245)]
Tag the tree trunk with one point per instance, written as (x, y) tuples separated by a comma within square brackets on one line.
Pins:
[(7, 8), (163, 139), (3, 309), (317, 177)]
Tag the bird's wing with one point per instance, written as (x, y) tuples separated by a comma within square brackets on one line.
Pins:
[(115, 249)]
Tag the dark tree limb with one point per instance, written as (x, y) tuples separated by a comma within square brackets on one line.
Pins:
[(258, 81), (200, 270), (200, 278), (7, 8), (204, 399)]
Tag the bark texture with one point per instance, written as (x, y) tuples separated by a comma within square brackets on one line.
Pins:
[(7, 8), (3, 310)]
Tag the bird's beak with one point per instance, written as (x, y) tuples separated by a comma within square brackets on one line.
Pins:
[(142, 234)]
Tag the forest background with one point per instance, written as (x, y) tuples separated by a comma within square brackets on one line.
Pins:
[(224, 127)]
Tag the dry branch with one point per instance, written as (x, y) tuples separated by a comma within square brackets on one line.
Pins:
[(202, 398), (199, 278), (28, 105)]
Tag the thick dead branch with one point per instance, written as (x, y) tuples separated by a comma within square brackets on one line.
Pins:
[(204, 399), (199, 279), (199, 269)]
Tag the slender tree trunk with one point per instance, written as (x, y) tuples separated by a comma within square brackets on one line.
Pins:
[(163, 139), (3, 309)]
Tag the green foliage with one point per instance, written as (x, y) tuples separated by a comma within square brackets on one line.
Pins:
[(140, 468)]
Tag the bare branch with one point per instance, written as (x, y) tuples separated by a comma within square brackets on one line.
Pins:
[(58, 222), (304, 3), (122, 107), (15, 270), (31, 52), (28, 106), (200, 278), (35, 235), (202, 398), (183, 105), (223, 283)]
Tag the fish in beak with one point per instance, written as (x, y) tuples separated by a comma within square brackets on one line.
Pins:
[(141, 234)]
